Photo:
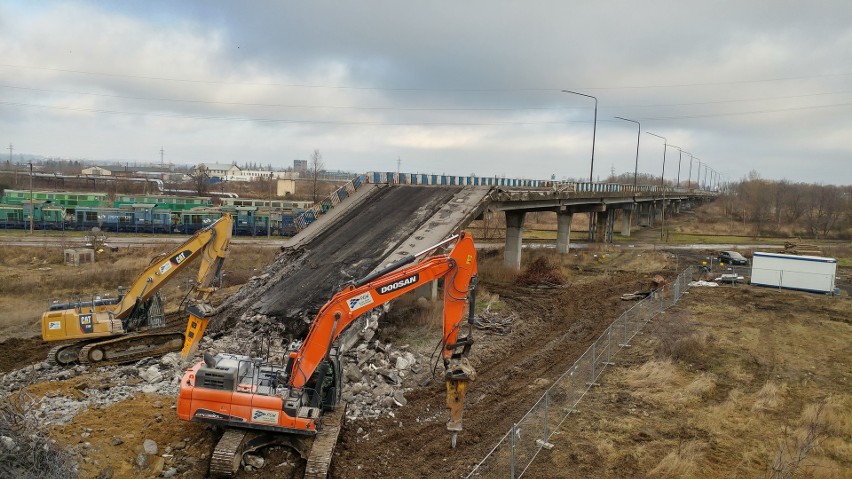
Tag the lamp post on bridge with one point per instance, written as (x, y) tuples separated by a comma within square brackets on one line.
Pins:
[(698, 176), (662, 184), (594, 131), (636, 165), (679, 156), (689, 182)]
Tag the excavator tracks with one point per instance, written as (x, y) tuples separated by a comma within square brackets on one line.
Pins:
[(130, 348), (324, 442), (228, 453), (64, 354), (235, 442)]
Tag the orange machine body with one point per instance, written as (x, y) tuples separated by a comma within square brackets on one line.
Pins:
[(242, 392)]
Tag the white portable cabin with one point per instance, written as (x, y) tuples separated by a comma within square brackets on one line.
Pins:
[(806, 273)]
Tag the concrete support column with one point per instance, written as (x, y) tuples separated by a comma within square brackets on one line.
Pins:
[(514, 233), (658, 210), (601, 226), (644, 214), (626, 219), (592, 230), (563, 230), (428, 291)]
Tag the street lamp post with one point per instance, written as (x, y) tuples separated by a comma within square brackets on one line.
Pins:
[(689, 182), (679, 156), (662, 183), (594, 131), (636, 165)]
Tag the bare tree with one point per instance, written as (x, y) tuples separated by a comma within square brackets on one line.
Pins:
[(200, 177), (315, 166)]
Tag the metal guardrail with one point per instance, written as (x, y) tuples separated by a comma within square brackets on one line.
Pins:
[(391, 177), (517, 449), (326, 204)]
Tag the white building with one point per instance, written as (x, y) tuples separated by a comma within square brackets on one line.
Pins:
[(223, 171), (227, 172), (96, 171)]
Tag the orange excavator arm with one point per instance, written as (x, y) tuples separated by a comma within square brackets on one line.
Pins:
[(458, 267)]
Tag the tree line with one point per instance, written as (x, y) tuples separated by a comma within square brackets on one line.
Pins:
[(782, 207)]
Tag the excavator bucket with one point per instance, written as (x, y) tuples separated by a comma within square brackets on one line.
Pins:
[(194, 332)]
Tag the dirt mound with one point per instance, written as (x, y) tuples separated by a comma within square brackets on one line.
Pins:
[(20, 352), (541, 272)]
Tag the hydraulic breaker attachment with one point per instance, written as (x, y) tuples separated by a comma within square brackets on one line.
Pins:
[(198, 319), (458, 375)]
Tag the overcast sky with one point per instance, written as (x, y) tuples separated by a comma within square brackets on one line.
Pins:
[(444, 86)]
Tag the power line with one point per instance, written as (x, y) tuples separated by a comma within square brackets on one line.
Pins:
[(337, 122), (390, 108), (281, 120), (753, 112), (344, 87)]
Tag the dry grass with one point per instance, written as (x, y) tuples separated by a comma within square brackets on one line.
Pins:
[(652, 376), (734, 383), (769, 397), (702, 387), (34, 276), (492, 268), (685, 461)]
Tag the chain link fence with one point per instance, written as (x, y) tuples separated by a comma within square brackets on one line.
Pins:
[(515, 451)]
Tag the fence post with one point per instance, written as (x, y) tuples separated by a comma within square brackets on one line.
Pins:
[(594, 360), (512, 443), (609, 345), (573, 373), (546, 400)]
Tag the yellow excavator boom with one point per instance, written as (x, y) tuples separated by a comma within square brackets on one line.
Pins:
[(86, 322)]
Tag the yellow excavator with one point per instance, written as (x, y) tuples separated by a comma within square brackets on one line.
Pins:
[(124, 329)]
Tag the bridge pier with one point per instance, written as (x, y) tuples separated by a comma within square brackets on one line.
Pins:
[(626, 219), (563, 229), (593, 233), (428, 291), (514, 240), (645, 214), (659, 206), (604, 225)]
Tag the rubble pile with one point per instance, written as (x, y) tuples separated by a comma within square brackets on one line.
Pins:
[(95, 387)]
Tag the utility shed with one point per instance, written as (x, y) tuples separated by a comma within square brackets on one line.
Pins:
[(806, 273)]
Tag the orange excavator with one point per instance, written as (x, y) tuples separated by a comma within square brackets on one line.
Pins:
[(298, 404), (126, 328)]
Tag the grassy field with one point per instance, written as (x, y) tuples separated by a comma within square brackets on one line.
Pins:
[(35, 276), (732, 382)]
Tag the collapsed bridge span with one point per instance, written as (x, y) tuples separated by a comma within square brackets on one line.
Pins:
[(379, 225)]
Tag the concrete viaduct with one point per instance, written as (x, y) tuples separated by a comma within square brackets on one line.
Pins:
[(455, 201), (647, 207)]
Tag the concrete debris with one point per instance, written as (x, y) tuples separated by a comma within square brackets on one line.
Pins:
[(151, 374), (142, 460), (96, 387), (8, 443), (256, 462), (150, 446)]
